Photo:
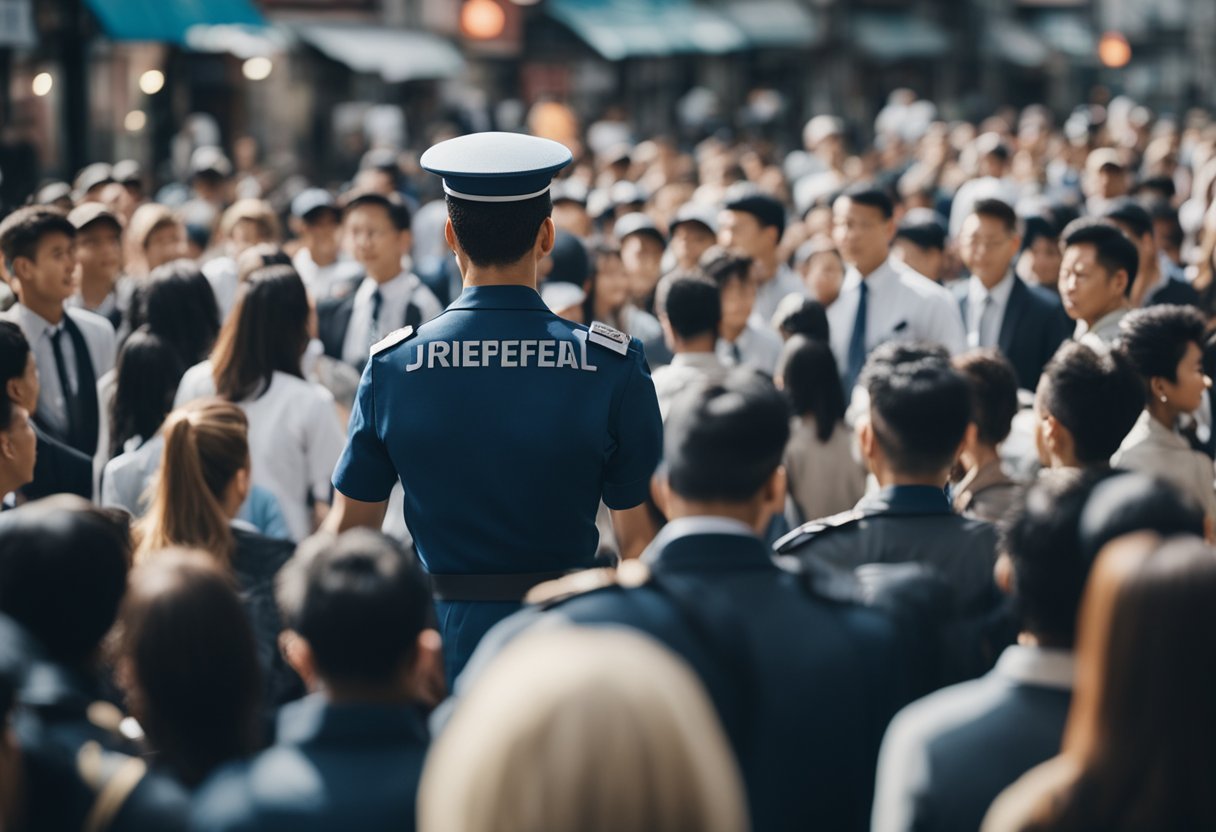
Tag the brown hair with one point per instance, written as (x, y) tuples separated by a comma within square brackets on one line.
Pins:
[(1139, 731), (146, 221), (192, 677), (258, 212), (266, 332), (206, 444)]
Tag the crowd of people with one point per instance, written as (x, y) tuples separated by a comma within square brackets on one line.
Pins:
[(928, 536)]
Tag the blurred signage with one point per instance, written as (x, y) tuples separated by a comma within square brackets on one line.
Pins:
[(17, 23)]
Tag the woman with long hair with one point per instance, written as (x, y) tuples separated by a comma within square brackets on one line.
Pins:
[(202, 481), (295, 436), (200, 712), (1139, 748)]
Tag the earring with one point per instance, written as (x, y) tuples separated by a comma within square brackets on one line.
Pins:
[(1164, 399)]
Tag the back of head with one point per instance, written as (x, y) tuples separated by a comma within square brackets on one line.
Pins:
[(1112, 248), (259, 257), (1042, 539), (994, 392), (1131, 502), (177, 303), (596, 730), (206, 444), (147, 375), (1129, 213), (360, 601), (63, 572), (797, 315), (1097, 396), (1146, 677), (692, 306), (722, 266), (920, 406), (1155, 339), (723, 440), (14, 352), (193, 664), (498, 234), (811, 380), (267, 332)]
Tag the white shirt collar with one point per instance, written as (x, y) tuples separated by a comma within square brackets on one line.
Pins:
[(400, 287), (37, 323), (1037, 666), (885, 273), (977, 291), (687, 526), (697, 360)]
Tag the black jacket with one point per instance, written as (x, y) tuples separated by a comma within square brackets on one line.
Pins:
[(1033, 328), (59, 469)]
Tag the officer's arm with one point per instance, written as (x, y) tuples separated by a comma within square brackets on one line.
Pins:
[(348, 513), (634, 529)]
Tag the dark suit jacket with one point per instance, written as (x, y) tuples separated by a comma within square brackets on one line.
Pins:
[(59, 469), (333, 318), (1032, 330)]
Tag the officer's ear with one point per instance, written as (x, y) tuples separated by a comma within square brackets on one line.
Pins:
[(425, 676), (867, 443), (773, 494), (1002, 572), (546, 236), (971, 437), (298, 653)]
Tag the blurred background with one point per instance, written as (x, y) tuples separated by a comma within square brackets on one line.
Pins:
[(306, 87)]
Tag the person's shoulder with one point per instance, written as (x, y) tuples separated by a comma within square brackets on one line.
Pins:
[(589, 584), (225, 802), (90, 321), (610, 340), (814, 530), (920, 285), (946, 709)]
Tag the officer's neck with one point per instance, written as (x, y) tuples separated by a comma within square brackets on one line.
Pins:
[(516, 274), (752, 513)]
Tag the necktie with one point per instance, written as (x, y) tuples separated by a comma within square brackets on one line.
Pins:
[(857, 340), (987, 337), (736, 353), (70, 399), (373, 329)]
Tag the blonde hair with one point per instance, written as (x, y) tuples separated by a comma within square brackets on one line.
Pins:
[(589, 730), (206, 445)]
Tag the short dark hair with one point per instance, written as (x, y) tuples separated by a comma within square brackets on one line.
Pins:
[(494, 234), (724, 439), (360, 600), (1155, 339), (23, 230), (693, 306), (994, 392), (1114, 251), (14, 352), (1162, 211), (1041, 536), (722, 266), (811, 380), (923, 234), (767, 210), (1132, 214), (1036, 226), (807, 318), (1097, 396), (1133, 502), (63, 573), (871, 196), (398, 212), (7, 408), (998, 210), (920, 406)]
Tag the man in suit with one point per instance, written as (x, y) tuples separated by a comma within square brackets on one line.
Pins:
[(1152, 285), (59, 468), (388, 296), (801, 713), (998, 309), (947, 756)]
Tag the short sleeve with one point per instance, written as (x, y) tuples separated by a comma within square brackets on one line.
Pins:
[(638, 431), (365, 471)]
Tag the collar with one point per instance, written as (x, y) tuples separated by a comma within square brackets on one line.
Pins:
[(876, 279), (1108, 323), (399, 287), (315, 719), (697, 360), (681, 545), (37, 323), (1160, 433), (977, 479), (907, 500), (977, 291), (1040, 667), (500, 297)]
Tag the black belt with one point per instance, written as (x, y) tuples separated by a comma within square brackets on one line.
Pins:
[(505, 587)]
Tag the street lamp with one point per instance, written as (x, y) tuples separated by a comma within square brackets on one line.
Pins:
[(1114, 51)]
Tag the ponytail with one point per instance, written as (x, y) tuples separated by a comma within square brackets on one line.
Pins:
[(206, 445)]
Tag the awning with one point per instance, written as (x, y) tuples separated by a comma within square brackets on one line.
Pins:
[(775, 23), (169, 20), (619, 29), (1016, 44), (896, 36), (396, 54)]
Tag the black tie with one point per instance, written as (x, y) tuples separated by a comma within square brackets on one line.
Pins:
[(374, 329), (71, 398)]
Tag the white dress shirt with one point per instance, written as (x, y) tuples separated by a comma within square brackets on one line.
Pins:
[(98, 337), (1103, 333), (685, 370), (396, 295), (321, 280), (222, 274), (772, 291), (984, 329), (295, 439), (758, 346), (901, 304)]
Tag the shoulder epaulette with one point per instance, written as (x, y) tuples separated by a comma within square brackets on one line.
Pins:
[(629, 574), (392, 339), (606, 336), (809, 531)]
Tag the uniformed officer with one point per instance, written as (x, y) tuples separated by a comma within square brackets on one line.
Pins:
[(505, 424), (804, 684), (918, 412)]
